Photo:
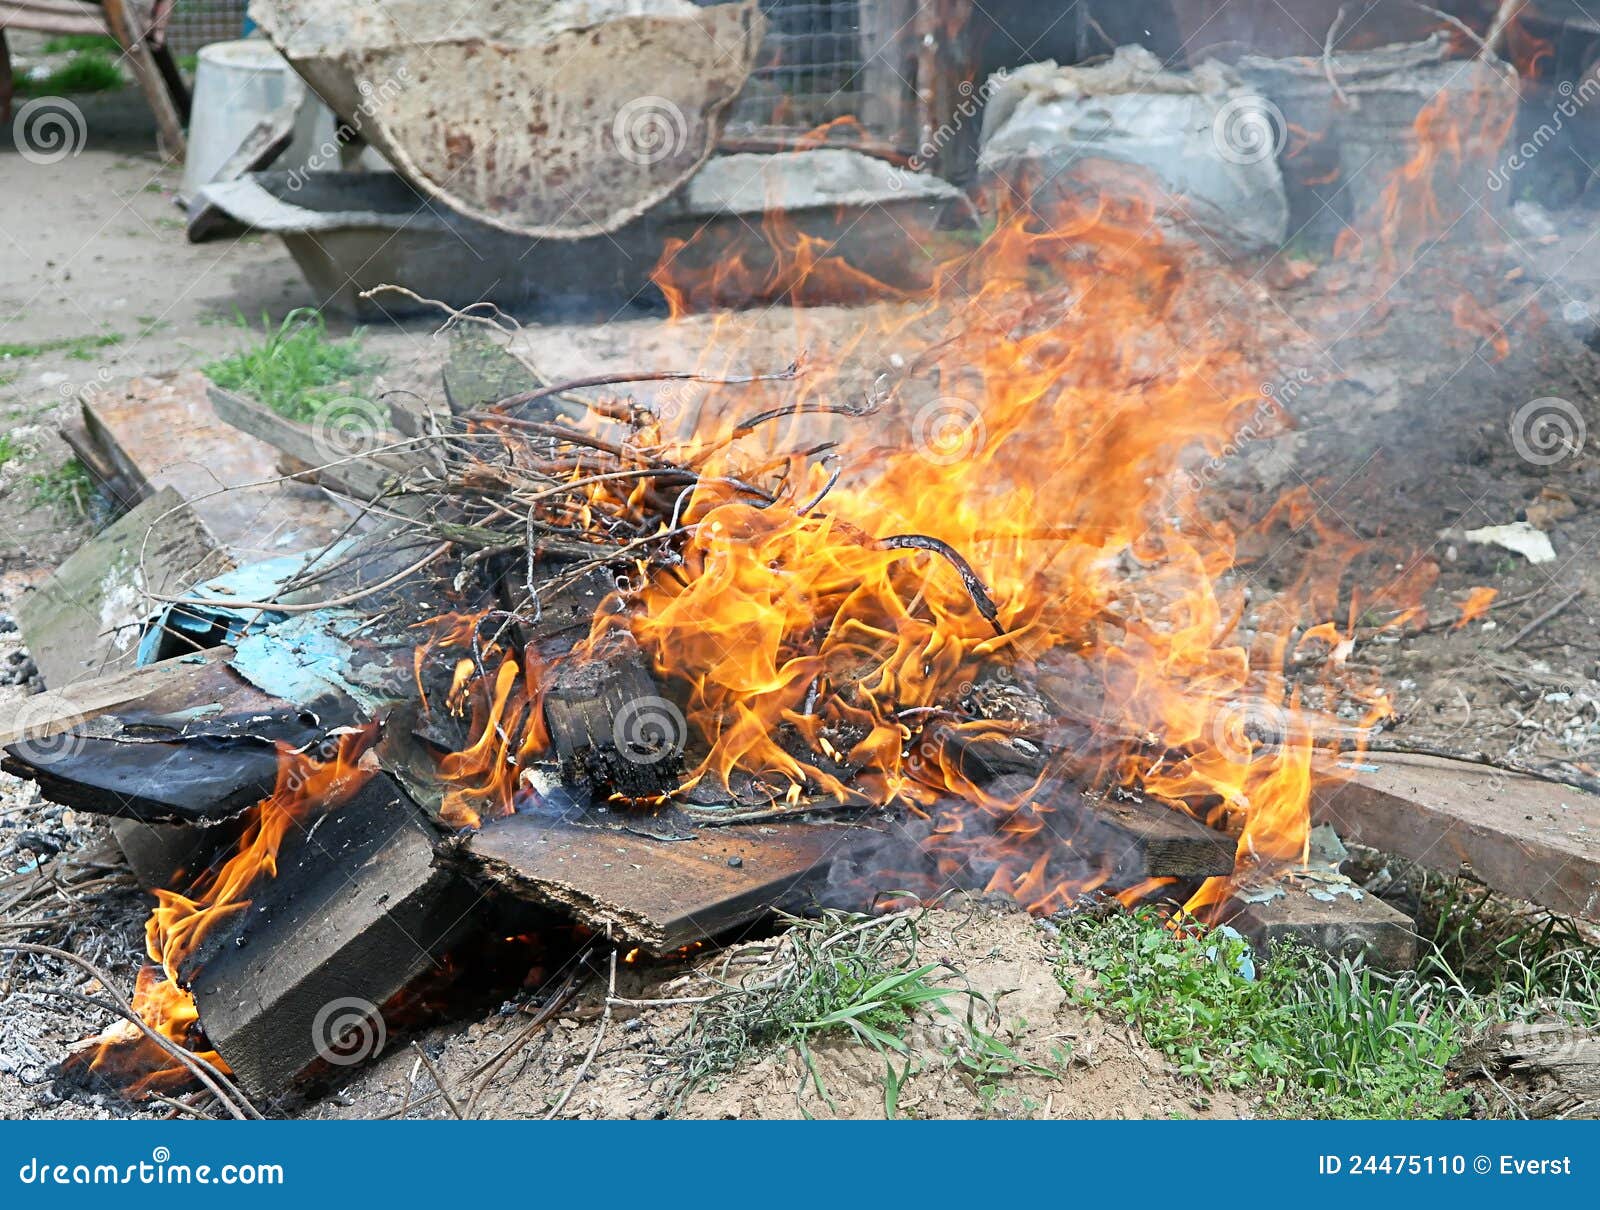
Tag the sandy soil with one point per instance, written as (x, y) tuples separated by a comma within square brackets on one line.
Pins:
[(1402, 435)]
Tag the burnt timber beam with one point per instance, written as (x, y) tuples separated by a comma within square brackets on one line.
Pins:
[(357, 912)]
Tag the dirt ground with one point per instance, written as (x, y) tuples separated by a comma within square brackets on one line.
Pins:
[(1401, 434)]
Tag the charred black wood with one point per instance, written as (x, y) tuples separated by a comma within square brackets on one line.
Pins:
[(298, 982), (609, 725)]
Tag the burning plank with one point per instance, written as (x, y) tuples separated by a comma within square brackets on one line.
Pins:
[(196, 747), (356, 912)]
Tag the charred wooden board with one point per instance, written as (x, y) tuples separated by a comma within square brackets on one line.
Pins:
[(356, 913), (609, 725), (658, 894), (162, 760), (1339, 925), (36, 719), (87, 618), (1533, 839), (1133, 838)]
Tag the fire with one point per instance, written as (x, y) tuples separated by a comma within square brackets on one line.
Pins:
[(306, 783), (1032, 525)]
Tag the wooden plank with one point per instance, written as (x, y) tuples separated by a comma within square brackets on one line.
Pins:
[(44, 715), (1531, 839), (356, 912), (230, 480), (1339, 925), (1132, 838), (657, 893), (87, 618), (364, 478), (196, 751), (1554, 1065)]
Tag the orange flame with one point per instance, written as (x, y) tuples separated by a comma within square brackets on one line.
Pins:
[(180, 921)]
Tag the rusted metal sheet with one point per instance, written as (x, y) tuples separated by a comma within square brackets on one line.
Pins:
[(550, 120)]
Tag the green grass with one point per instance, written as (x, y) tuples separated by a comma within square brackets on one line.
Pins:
[(10, 449), (1315, 1038), (67, 43), (69, 488), (78, 348), (841, 976), (297, 369), (86, 71)]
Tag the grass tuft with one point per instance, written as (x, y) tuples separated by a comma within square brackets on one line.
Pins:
[(86, 71), (1319, 1039), (69, 487), (297, 370), (841, 976), (78, 348)]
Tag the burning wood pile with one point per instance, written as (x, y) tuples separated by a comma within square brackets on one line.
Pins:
[(652, 652)]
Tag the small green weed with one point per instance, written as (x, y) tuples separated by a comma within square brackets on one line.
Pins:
[(1319, 1039), (297, 370), (838, 976), (69, 487), (78, 348)]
